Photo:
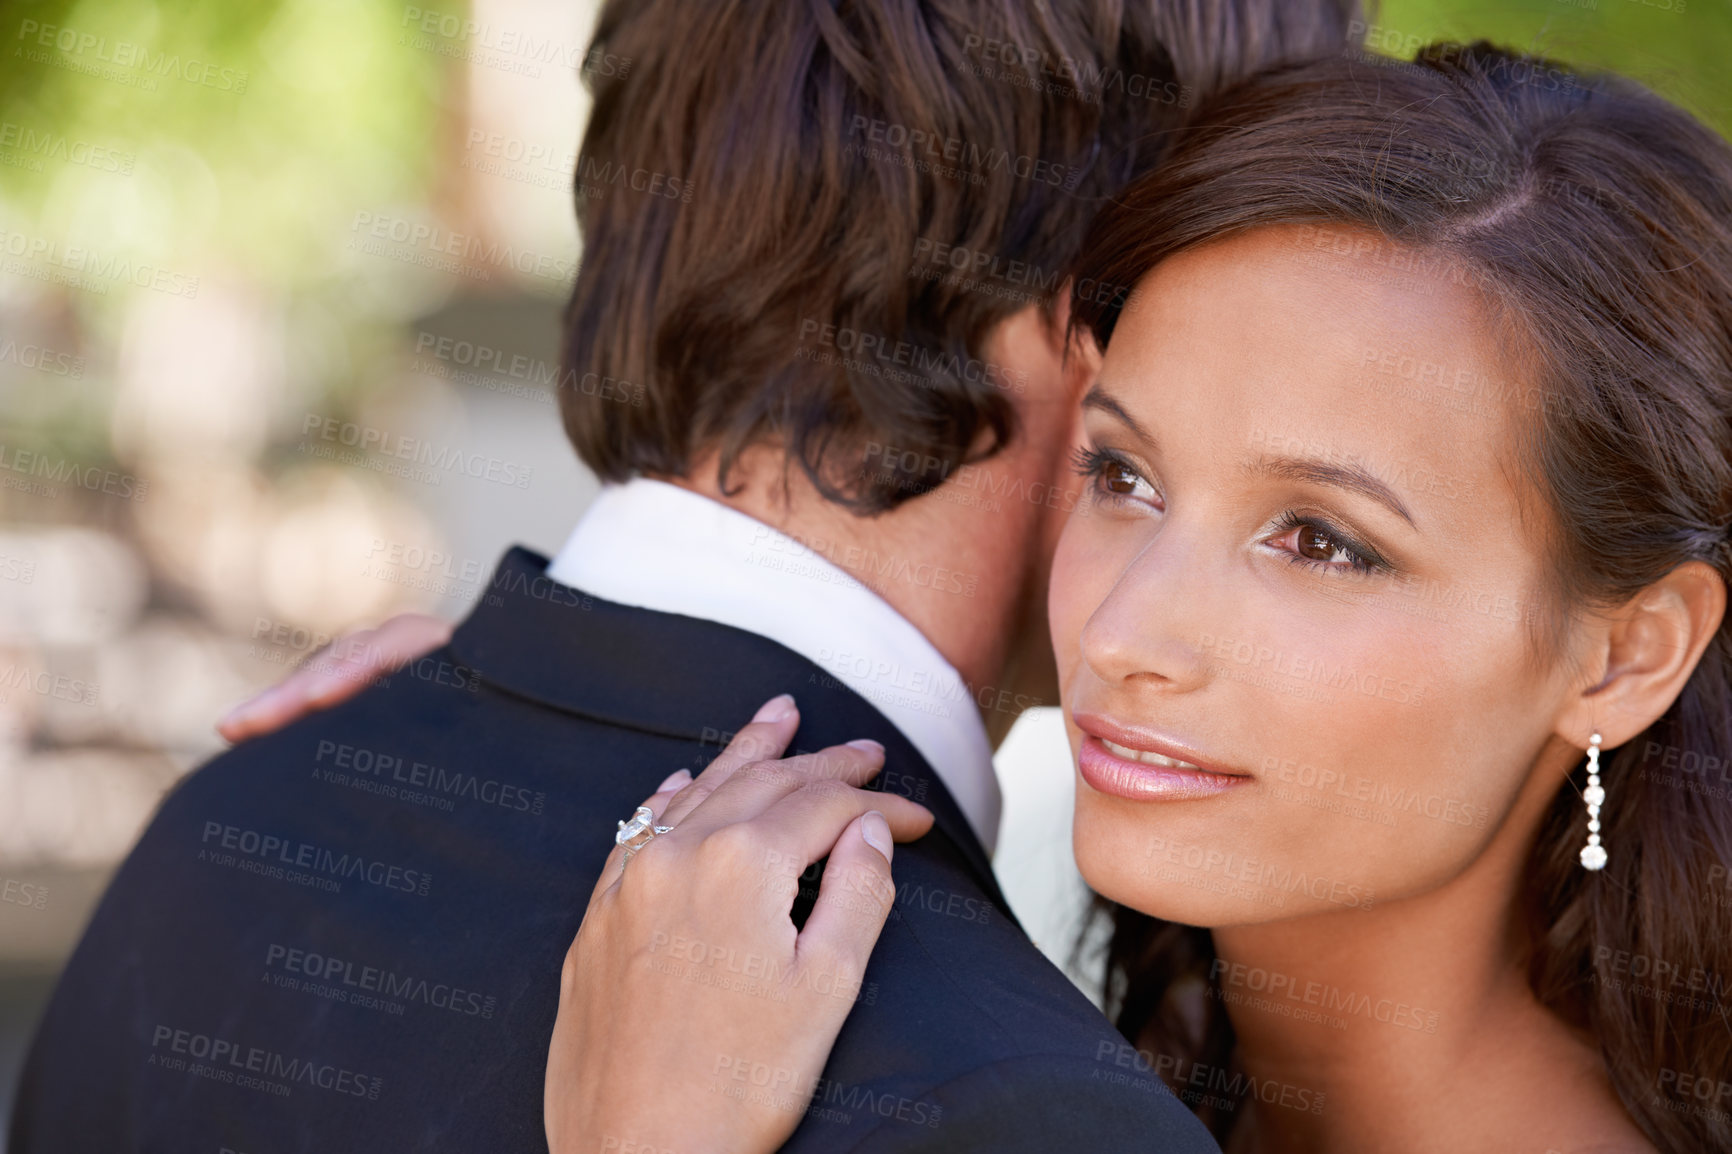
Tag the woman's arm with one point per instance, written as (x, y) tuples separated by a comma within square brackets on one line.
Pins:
[(693, 1015)]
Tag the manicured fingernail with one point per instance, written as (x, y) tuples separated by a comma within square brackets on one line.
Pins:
[(778, 708), (678, 779), (865, 745), (876, 831)]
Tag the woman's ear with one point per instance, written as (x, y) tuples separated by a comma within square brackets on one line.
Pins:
[(1645, 651)]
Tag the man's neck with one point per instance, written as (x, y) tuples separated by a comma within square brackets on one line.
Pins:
[(967, 563), (970, 582)]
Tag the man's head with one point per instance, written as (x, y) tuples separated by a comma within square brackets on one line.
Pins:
[(837, 231), (801, 220)]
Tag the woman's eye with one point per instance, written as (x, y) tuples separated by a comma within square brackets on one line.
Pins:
[(1317, 545), (1119, 478), (1320, 546), (1112, 476)]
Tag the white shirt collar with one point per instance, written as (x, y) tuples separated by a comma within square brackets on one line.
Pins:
[(658, 546)]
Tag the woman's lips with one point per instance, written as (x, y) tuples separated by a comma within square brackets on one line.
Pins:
[(1140, 773)]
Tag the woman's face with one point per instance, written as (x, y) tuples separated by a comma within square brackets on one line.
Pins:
[(1308, 570)]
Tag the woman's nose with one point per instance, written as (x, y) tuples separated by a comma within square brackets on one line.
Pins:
[(1148, 628)]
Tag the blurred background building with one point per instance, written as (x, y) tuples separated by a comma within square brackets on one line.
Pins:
[(279, 295)]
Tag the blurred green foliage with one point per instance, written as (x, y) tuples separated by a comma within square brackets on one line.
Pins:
[(258, 126), (1681, 49), (229, 140)]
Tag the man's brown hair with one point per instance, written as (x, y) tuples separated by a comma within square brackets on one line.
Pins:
[(801, 218)]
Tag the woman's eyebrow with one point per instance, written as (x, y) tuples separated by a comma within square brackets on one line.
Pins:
[(1098, 398), (1349, 476)]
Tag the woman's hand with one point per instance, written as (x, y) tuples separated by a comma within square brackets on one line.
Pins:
[(693, 1016), (338, 672)]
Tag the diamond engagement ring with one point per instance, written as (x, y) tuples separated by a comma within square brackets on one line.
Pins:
[(637, 832)]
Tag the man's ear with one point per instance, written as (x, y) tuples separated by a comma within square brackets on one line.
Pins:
[(1082, 366), (1078, 351), (1030, 348), (1645, 652), (1058, 316)]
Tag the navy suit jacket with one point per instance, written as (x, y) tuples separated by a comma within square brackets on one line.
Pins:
[(347, 935)]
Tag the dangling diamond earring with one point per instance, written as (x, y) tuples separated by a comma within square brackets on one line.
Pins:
[(1594, 854)]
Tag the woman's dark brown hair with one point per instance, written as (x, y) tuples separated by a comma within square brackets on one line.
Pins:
[(801, 218), (1596, 219)]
